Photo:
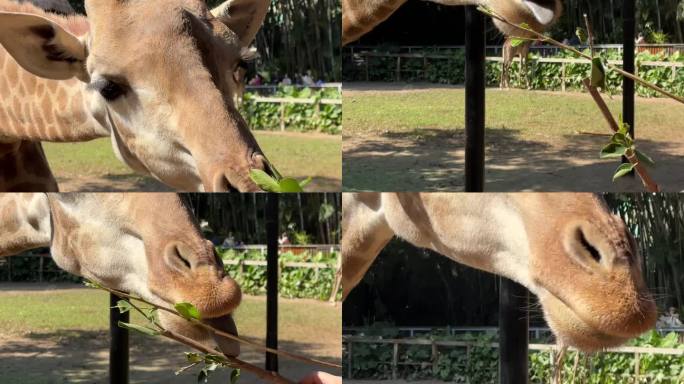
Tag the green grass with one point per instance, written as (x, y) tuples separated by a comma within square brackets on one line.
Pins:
[(27, 312), (295, 155), (533, 114)]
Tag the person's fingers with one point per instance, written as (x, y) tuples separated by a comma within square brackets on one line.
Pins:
[(321, 378)]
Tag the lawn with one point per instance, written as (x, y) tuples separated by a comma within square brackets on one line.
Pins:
[(66, 333), (414, 137), (93, 166)]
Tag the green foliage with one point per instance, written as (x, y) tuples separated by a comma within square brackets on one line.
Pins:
[(622, 144), (480, 363), (294, 282), (27, 269), (542, 76), (277, 184), (298, 117), (188, 311)]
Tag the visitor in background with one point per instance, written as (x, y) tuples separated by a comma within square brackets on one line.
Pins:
[(307, 80), (257, 80), (641, 39), (286, 80)]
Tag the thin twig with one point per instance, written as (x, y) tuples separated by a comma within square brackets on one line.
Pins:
[(225, 334), (647, 181), (615, 68), (231, 361)]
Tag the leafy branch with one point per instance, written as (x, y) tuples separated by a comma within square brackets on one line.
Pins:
[(524, 27), (210, 358), (621, 143)]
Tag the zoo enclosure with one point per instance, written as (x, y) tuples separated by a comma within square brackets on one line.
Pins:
[(349, 341), (366, 56)]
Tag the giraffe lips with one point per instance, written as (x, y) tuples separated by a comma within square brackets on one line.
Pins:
[(228, 346), (544, 13)]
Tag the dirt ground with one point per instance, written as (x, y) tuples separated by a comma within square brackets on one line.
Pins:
[(434, 159), (81, 356)]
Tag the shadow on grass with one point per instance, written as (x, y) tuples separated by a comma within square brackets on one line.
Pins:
[(433, 160), (77, 356)]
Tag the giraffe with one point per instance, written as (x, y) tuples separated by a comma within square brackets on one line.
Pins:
[(509, 54), (568, 249), (148, 244), (361, 16), (160, 82)]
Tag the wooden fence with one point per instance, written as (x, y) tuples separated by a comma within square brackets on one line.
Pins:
[(349, 342), (283, 101), (563, 62)]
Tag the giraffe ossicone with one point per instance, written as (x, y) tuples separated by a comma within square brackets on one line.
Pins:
[(147, 244), (159, 81)]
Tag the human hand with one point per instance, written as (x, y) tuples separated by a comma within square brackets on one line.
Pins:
[(321, 378)]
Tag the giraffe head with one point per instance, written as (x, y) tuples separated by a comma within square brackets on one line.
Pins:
[(149, 245), (538, 14), (161, 78)]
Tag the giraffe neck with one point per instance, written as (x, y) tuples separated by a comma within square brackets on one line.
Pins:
[(38, 109), (24, 168), (24, 222)]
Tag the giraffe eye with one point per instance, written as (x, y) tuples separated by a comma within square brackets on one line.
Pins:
[(111, 90)]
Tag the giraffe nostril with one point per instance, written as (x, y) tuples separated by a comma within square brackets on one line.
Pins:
[(595, 254)]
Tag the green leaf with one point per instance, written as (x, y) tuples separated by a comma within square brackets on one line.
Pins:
[(194, 357), (234, 376), (598, 73), (581, 34), (139, 328), (622, 170), (264, 181), (613, 150), (620, 139), (524, 26), (644, 158), (124, 306), (187, 310), (516, 42), (289, 185), (305, 182)]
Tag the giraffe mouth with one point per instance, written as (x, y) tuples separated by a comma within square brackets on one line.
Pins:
[(226, 324)]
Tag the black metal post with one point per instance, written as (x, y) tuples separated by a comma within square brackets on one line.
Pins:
[(118, 347), (272, 280), (513, 332), (475, 100), (629, 46)]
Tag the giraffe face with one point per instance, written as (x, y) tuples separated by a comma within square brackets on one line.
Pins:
[(162, 79), (585, 268), (149, 245)]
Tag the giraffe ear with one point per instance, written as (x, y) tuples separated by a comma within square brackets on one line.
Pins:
[(42, 47), (244, 17)]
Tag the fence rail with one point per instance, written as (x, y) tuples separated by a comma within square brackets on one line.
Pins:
[(349, 341), (673, 65)]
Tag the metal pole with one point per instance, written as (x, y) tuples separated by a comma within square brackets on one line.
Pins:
[(475, 100), (513, 332), (629, 15), (272, 280), (118, 347)]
